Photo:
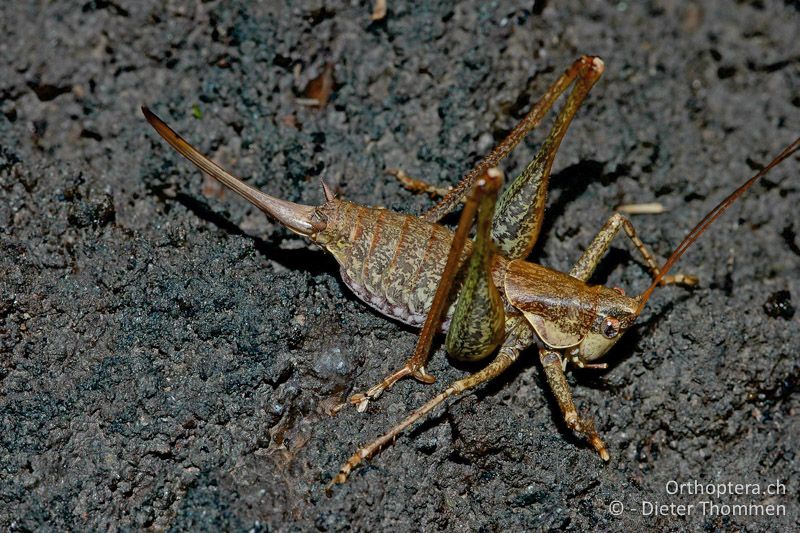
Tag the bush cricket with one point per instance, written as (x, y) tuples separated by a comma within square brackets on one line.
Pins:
[(481, 292)]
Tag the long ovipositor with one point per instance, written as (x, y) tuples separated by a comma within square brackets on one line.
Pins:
[(390, 260)]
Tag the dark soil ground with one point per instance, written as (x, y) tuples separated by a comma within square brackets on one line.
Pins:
[(169, 356)]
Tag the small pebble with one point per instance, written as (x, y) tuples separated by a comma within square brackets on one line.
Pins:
[(779, 305)]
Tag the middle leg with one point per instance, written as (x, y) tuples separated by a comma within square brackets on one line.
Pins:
[(598, 248)]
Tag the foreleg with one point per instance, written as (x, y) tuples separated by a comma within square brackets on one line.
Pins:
[(554, 372)]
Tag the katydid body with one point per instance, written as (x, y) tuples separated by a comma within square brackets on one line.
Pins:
[(483, 294)]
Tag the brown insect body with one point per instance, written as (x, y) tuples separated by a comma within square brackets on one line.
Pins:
[(393, 262), (483, 293)]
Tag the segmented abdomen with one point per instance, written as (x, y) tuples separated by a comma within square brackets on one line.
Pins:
[(391, 261)]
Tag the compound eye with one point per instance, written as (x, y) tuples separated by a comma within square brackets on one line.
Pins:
[(610, 327)]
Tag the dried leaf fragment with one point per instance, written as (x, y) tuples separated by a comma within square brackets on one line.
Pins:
[(319, 90), (378, 10)]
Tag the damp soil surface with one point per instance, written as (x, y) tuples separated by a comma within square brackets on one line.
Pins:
[(170, 358)]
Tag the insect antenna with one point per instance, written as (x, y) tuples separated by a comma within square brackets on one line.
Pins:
[(715, 213)]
